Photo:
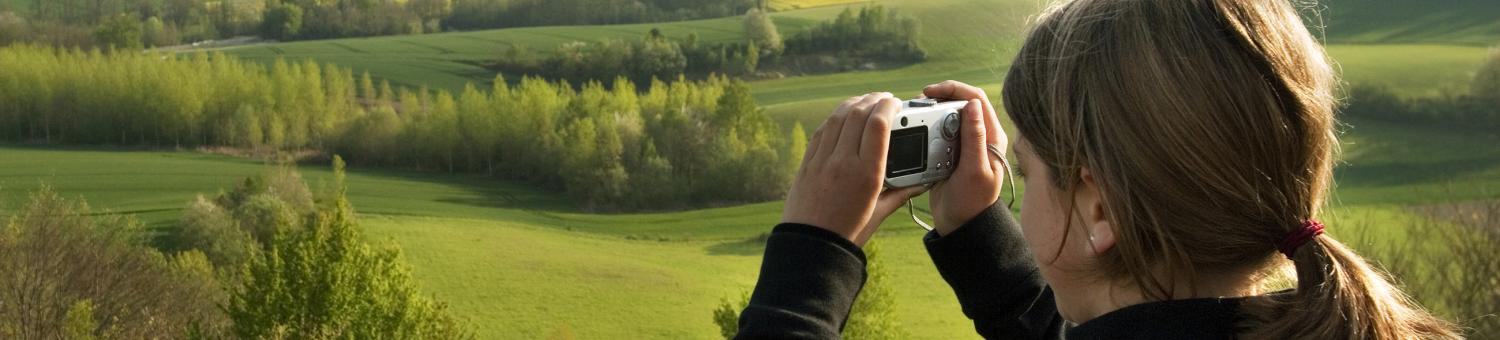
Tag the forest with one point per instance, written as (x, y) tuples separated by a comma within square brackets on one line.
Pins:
[(665, 145)]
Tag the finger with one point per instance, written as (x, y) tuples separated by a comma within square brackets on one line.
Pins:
[(887, 204), (854, 126), (834, 126), (972, 139), (877, 138), (953, 89), (992, 126)]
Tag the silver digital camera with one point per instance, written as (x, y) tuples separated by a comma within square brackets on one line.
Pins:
[(924, 142)]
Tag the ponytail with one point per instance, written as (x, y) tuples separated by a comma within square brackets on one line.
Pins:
[(1340, 296)]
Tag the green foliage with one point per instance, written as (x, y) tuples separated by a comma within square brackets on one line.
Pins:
[(796, 148), (1487, 79), (653, 57), (762, 33), (326, 282), (727, 315), (587, 142), (1461, 111), (79, 323), (849, 41), (209, 228), (282, 21), (73, 273), (874, 312), (477, 14), (120, 31)]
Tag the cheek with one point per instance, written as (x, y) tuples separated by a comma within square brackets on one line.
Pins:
[(1042, 220)]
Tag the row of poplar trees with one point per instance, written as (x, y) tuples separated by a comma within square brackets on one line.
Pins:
[(668, 145)]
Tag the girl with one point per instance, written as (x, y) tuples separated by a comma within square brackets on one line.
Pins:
[(1175, 153)]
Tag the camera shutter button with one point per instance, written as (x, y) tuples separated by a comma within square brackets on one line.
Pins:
[(950, 126)]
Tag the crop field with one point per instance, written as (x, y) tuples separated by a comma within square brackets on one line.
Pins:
[(519, 262)]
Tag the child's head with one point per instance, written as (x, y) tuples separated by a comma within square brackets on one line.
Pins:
[(1171, 144)]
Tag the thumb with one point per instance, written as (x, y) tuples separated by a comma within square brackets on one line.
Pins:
[(972, 138)]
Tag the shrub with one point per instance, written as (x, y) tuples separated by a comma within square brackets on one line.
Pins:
[(324, 281), (70, 273), (1447, 261), (209, 228)]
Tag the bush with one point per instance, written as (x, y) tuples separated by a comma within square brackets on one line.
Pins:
[(1487, 79), (1447, 261), (209, 228), (1458, 111), (121, 31), (70, 273), (326, 282), (282, 22)]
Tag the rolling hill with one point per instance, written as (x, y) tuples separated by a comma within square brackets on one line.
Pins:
[(525, 263)]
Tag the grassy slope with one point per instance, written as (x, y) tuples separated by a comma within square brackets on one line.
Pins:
[(522, 262), (1461, 22)]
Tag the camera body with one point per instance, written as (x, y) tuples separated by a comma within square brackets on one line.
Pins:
[(924, 142)]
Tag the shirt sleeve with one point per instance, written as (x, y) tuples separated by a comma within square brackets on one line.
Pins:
[(808, 281), (997, 282)]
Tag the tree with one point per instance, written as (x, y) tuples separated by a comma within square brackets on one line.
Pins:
[(71, 273), (209, 228), (282, 22), (325, 281), (431, 11), (762, 33), (122, 31), (874, 312)]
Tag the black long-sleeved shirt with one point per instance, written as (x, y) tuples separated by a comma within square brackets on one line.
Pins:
[(810, 277)]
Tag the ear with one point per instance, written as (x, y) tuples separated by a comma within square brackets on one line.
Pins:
[(1091, 209)]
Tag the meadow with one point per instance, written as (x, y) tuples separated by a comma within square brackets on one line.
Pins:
[(518, 262)]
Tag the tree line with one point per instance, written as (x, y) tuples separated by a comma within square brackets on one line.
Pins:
[(667, 145), (134, 24), (486, 14), (1479, 109), (865, 39), (271, 259)]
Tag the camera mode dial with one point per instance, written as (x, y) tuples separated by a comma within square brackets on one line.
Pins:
[(950, 126)]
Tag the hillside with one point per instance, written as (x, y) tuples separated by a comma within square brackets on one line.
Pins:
[(1461, 22), (519, 262)]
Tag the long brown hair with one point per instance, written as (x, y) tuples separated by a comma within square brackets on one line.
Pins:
[(1208, 125)]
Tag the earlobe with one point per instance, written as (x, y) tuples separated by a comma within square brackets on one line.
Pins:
[(1090, 198)]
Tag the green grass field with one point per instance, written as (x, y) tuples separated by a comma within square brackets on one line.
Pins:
[(517, 261), (524, 263)]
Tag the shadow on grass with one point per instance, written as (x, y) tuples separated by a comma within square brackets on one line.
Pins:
[(752, 246), (1411, 172)]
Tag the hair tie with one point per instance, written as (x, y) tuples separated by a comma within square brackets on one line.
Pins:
[(1295, 239)]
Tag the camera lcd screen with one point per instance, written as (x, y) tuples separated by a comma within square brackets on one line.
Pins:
[(908, 152)]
